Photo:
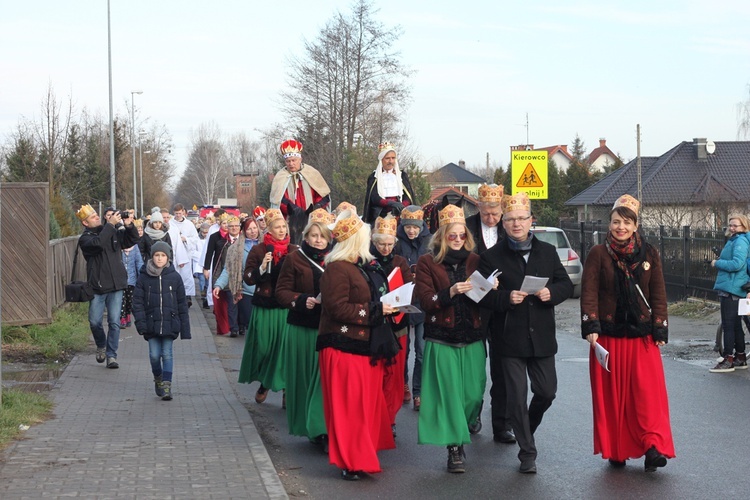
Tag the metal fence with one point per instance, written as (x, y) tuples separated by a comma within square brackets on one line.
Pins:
[(686, 254)]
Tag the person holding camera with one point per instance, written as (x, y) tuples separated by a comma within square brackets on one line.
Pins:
[(101, 245)]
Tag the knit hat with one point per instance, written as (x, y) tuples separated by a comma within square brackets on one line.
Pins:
[(161, 246), (412, 215), (156, 217)]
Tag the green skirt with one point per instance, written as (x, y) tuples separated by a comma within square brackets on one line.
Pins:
[(453, 381), (264, 348), (304, 398)]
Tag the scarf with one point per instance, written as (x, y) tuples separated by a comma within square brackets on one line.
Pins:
[(522, 247), (235, 263), (384, 260), (628, 257), (318, 257), (156, 234), (280, 247), (383, 343), (453, 257), (152, 270)]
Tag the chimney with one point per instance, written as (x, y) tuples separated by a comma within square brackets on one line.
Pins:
[(700, 148), (602, 142), (462, 163)]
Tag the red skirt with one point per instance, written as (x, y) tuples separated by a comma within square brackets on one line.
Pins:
[(631, 408), (393, 381), (355, 410)]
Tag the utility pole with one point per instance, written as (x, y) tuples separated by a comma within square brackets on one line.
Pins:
[(638, 163)]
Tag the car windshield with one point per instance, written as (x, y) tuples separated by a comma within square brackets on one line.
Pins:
[(554, 238)]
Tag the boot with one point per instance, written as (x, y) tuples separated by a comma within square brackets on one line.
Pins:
[(158, 386), (455, 459), (167, 387), (740, 361)]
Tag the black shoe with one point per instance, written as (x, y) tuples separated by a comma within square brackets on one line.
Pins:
[(190, 302), (350, 475), (456, 459), (393, 430), (616, 463), (205, 304), (233, 334), (506, 437), (528, 467), (654, 459), (476, 426)]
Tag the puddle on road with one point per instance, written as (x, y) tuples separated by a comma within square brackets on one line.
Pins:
[(32, 380)]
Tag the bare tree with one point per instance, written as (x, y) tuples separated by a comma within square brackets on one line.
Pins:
[(345, 87), (208, 168), (743, 117)]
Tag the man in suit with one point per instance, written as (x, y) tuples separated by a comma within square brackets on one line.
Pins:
[(523, 323), (486, 229)]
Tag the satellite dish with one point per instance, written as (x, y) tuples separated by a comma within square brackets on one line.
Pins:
[(710, 147)]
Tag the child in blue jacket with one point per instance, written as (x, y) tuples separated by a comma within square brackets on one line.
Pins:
[(133, 262), (161, 314)]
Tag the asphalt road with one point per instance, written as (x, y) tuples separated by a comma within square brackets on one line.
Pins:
[(710, 422)]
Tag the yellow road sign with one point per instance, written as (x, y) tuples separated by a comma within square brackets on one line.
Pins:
[(529, 173)]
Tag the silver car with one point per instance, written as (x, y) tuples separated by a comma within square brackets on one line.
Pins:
[(569, 258)]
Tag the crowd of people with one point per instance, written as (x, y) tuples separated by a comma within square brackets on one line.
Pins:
[(309, 288)]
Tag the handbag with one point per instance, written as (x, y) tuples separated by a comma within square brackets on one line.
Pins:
[(78, 291)]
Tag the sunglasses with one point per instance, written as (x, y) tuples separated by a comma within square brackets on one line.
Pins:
[(454, 237)]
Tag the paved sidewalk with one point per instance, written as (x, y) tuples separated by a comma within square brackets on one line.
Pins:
[(111, 437)]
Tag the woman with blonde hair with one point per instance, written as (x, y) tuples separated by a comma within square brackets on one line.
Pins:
[(730, 279), (298, 289), (454, 359), (263, 353), (352, 338), (624, 310)]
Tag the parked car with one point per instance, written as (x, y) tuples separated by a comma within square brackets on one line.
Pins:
[(569, 258)]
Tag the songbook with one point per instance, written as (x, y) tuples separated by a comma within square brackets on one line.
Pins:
[(481, 285), (401, 298), (744, 307), (532, 284), (602, 355)]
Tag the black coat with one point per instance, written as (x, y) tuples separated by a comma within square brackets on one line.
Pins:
[(102, 248), (373, 202), (474, 225), (527, 329), (412, 250), (160, 305)]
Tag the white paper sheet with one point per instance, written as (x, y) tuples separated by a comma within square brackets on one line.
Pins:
[(602, 355), (532, 284), (744, 307), (399, 297), (481, 285)]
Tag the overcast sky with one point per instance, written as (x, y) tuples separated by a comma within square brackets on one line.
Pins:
[(679, 68)]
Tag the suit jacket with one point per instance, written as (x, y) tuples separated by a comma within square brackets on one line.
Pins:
[(526, 329), (474, 225)]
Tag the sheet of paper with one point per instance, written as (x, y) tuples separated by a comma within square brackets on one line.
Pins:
[(320, 295), (602, 355), (532, 284), (744, 307), (399, 297), (481, 285)]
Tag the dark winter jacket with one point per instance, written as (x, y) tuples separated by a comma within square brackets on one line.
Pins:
[(526, 329), (375, 206), (101, 247), (160, 305), (412, 250)]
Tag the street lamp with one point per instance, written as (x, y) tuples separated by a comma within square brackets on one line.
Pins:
[(132, 142), (140, 152)]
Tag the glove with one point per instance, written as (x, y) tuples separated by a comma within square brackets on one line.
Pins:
[(396, 207)]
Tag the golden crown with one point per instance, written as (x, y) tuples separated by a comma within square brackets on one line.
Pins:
[(449, 215), (272, 214), (412, 215), (385, 145), (518, 201), (345, 205), (291, 148), (385, 225), (490, 193), (85, 212), (225, 217), (628, 201), (348, 224), (322, 216)]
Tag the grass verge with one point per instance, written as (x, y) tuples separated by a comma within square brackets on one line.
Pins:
[(692, 309), (59, 341), (21, 409)]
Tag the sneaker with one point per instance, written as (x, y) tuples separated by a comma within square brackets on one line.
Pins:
[(740, 361), (456, 459), (407, 393), (101, 354), (167, 388), (417, 402), (158, 386), (112, 363), (726, 365)]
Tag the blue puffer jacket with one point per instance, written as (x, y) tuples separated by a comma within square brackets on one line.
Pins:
[(732, 265), (160, 305), (133, 261)]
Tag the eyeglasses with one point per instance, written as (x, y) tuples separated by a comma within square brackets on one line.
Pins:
[(735, 225), (454, 237), (516, 219), (233, 225)]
